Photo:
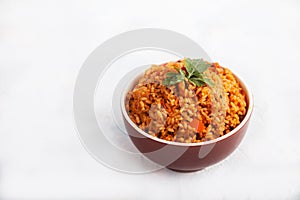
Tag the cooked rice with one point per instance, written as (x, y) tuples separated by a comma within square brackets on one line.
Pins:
[(185, 112)]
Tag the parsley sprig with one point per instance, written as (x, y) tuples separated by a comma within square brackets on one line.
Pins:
[(195, 69)]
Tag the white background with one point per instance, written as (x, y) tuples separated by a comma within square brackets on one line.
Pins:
[(42, 47)]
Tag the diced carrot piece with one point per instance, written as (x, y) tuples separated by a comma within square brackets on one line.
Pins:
[(198, 125)]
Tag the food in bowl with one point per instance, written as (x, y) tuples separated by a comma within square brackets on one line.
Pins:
[(188, 101)]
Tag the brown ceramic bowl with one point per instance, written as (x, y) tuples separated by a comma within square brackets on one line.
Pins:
[(186, 156)]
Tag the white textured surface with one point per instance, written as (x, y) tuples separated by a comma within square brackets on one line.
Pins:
[(44, 43)]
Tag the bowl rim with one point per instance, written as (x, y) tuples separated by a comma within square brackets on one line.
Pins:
[(245, 87)]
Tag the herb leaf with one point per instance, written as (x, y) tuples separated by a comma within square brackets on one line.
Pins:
[(195, 69), (189, 67), (172, 78), (197, 81), (208, 81), (199, 65)]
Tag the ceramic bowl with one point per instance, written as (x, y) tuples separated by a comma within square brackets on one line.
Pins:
[(186, 157)]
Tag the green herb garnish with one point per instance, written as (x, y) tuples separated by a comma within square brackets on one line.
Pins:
[(174, 77), (195, 69)]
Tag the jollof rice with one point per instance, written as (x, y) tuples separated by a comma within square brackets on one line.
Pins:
[(185, 112)]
